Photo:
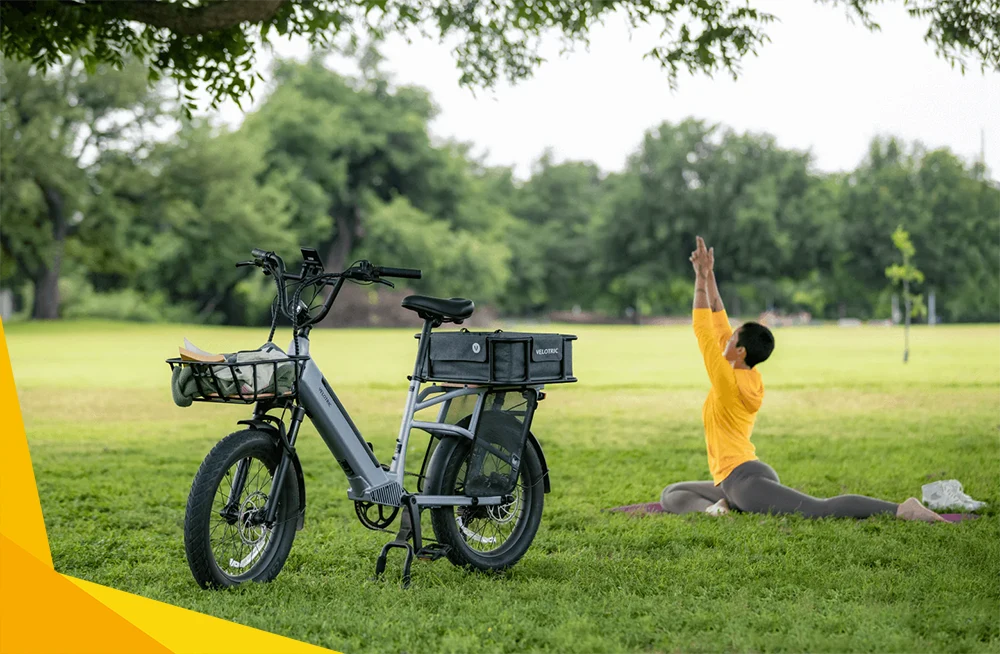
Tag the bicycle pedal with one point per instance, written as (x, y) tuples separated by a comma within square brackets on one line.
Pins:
[(432, 552)]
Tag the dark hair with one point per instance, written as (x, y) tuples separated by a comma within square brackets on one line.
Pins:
[(758, 341)]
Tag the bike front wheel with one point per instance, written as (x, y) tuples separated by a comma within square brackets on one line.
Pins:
[(225, 536), (488, 538)]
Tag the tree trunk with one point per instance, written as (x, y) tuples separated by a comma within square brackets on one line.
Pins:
[(210, 306), (906, 329), (46, 280), (343, 242), (46, 305)]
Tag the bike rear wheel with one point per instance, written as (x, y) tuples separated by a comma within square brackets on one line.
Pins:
[(225, 538), (488, 538)]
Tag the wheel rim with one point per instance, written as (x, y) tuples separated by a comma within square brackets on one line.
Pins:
[(239, 541), (490, 529)]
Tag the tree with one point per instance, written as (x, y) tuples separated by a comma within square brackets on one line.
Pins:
[(342, 147), (201, 212), (212, 42), (904, 274), (558, 206), (454, 262), (960, 244), (758, 204), (951, 212), (55, 132), (336, 144)]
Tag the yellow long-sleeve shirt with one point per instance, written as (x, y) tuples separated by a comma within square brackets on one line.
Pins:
[(731, 408)]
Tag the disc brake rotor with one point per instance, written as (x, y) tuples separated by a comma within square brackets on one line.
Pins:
[(252, 532), (504, 513), (497, 513)]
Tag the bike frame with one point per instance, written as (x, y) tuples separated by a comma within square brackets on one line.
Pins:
[(369, 481)]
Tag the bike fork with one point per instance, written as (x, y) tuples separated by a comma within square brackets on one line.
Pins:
[(288, 451), (231, 511)]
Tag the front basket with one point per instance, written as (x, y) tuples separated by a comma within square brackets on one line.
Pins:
[(244, 382)]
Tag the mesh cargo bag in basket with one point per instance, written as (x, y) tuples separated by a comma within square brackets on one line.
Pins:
[(501, 433)]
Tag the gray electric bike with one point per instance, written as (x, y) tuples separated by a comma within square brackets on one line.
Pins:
[(483, 476)]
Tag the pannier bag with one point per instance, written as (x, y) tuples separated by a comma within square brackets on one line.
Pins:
[(498, 446), (499, 358)]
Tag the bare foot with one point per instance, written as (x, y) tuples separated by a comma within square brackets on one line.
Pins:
[(719, 508), (912, 509)]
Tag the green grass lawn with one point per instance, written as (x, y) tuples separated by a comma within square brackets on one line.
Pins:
[(114, 459)]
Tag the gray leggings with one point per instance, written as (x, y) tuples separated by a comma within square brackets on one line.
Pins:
[(754, 487)]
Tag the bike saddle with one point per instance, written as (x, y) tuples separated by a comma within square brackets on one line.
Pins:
[(438, 309)]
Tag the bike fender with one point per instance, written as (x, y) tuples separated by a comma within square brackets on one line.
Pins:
[(545, 466), (270, 429)]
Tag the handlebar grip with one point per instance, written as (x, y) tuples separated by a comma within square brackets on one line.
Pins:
[(406, 273), (258, 253)]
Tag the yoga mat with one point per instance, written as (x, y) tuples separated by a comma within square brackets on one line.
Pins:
[(640, 509), (654, 507)]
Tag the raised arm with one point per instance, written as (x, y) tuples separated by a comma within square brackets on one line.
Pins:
[(714, 299), (701, 297), (720, 319), (708, 325), (706, 268)]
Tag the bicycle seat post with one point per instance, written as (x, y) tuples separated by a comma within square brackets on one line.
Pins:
[(425, 341)]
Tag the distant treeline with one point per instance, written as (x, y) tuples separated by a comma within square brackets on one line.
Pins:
[(100, 216)]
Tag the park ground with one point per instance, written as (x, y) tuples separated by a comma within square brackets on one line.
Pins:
[(114, 459)]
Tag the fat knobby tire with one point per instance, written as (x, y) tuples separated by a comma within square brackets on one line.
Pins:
[(442, 475), (198, 516)]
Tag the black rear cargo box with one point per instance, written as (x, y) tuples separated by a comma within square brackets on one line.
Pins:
[(499, 358)]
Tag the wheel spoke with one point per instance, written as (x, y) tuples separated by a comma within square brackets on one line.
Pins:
[(488, 529), (240, 546)]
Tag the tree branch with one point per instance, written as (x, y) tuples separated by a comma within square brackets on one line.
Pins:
[(128, 196), (87, 142), (56, 209), (188, 21)]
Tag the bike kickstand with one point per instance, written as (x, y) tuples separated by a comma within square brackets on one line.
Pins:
[(409, 529)]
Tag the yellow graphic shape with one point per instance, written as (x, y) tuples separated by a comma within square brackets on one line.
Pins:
[(43, 611)]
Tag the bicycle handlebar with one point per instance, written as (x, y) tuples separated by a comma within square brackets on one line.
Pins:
[(405, 273), (363, 272)]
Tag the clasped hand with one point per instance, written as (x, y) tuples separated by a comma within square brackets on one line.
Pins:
[(702, 259)]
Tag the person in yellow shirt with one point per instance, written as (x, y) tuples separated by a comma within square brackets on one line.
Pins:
[(739, 479)]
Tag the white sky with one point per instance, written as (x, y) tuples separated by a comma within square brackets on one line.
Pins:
[(823, 84)]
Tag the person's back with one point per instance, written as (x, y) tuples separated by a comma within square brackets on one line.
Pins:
[(737, 392)]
